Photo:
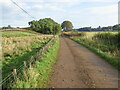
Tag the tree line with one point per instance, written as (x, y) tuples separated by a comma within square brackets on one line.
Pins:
[(108, 28), (49, 26), (45, 26)]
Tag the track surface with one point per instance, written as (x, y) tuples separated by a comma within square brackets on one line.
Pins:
[(77, 67)]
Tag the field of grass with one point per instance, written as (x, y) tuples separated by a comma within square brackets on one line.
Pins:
[(88, 34), (16, 34), (104, 44), (15, 50), (38, 75), (18, 29)]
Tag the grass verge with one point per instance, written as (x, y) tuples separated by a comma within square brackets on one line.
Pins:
[(16, 61), (38, 75), (110, 59)]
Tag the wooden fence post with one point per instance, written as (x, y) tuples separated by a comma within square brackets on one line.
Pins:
[(26, 78), (31, 59), (15, 74), (25, 66)]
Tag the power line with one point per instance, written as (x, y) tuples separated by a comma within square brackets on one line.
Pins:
[(23, 9)]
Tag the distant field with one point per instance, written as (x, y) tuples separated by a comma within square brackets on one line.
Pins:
[(91, 34), (17, 34), (87, 34), (20, 29)]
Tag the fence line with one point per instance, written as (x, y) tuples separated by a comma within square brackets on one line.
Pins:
[(12, 77)]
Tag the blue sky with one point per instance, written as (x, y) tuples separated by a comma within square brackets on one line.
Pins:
[(82, 13)]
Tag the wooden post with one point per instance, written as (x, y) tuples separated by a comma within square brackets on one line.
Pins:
[(15, 74), (31, 59), (26, 78), (25, 66)]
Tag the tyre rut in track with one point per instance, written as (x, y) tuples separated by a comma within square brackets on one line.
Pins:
[(84, 76)]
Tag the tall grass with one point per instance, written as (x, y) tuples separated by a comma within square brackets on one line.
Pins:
[(15, 50), (38, 75), (104, 44)]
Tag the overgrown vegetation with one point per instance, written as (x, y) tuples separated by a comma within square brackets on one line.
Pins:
[(104, 44), (38, 75), (45, 26), (15, 50)]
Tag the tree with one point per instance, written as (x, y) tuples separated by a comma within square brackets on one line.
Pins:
[(110, 28), (45, 26), (85, 29), (57, 29), (9, 26), (67, 26), (99, 28), (116, 27)]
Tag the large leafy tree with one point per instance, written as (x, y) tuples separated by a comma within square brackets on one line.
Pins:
[(45, 26), (67, 26)]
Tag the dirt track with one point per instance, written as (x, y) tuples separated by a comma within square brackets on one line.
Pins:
[(77, 67)]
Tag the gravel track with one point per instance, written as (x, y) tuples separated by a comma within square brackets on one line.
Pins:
[(78, 67)]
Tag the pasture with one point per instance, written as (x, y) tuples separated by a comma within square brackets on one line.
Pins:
[(18, 47)]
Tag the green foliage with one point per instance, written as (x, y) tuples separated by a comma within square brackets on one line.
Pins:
[(67, 26), (104, 44), (109, 39), (116, 27), (19, 49), (110, 59), (8, 27), (45, 26), (16, 34), (38, 75), (86, 28), (118, 36), (108, 28)]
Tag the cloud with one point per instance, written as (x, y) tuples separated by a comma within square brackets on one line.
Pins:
[(100, 0), (46, 6), (61, 10), (70, 1), (104, 9), (4, 1), (95, 16)]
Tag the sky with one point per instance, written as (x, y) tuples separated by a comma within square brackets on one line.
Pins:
[(82, 13)]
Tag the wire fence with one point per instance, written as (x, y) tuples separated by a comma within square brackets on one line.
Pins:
[(7, 81)]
